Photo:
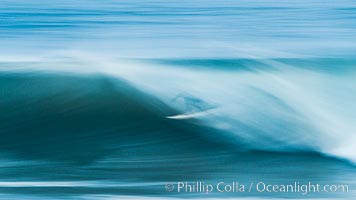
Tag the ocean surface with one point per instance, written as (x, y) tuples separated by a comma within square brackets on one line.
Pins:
[(88, 90)]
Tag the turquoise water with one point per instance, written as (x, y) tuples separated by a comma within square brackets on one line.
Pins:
[(86, 88)]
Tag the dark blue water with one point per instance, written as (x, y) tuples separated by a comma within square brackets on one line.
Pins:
[(86, 88)]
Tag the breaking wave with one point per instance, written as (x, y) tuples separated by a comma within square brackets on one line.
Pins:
[(287, 105)]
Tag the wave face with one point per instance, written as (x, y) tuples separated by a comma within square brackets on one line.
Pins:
[(262, 104)]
